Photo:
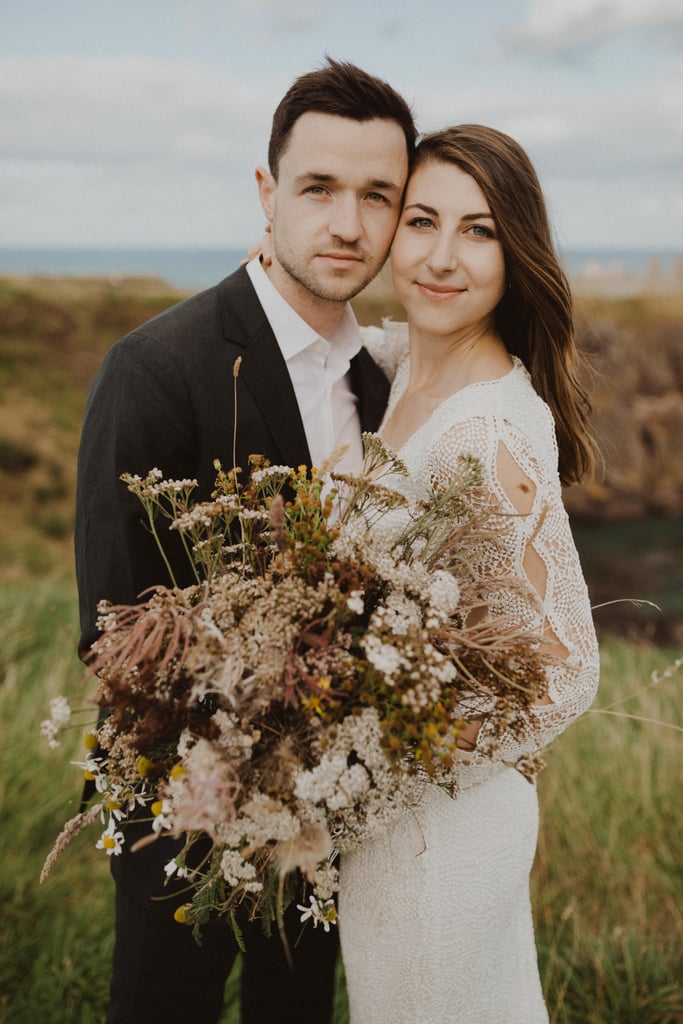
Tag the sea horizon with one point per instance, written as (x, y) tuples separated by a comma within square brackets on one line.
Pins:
[(200, 267)]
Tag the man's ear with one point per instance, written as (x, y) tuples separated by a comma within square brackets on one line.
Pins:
[(266, 191)]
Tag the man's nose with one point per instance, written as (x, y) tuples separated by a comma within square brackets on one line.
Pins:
[(345, 221)]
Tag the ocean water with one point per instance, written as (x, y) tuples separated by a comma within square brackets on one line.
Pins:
[(184, 268), (200, 268)]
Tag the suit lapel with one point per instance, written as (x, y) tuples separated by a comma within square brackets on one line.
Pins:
[(263, 369), (372, 389), (264, 372)]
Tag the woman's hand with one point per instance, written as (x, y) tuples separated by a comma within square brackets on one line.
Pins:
[(262, 249)]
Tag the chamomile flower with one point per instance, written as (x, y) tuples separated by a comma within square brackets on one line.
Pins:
[(94, 770), (173, 868), (322, 912), (111, 841), (161, 809)]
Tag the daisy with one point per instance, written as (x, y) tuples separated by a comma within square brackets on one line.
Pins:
[(321, 912), (111, 841)]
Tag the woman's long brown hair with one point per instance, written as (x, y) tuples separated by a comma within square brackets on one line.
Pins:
[(535, 316)]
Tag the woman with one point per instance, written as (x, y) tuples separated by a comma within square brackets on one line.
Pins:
[(435, 916)]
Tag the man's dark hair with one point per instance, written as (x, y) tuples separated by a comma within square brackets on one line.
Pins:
[(344, 90)]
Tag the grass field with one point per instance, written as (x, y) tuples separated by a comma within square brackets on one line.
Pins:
[(608, 881)]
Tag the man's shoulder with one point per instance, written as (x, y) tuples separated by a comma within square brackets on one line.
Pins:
[(196, 327), (205, 311)]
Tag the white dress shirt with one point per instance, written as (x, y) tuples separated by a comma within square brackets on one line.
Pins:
[(319, 370)]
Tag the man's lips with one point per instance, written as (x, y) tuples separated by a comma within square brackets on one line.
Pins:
[(438, 292), (347, 257)]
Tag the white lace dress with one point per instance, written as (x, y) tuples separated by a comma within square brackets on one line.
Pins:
[(434, 911)]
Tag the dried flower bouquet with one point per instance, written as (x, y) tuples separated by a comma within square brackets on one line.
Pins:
[(306, 687)]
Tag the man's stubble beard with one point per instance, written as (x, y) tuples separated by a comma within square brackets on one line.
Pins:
[(309, 280)]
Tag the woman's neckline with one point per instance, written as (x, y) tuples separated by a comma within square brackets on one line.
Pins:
[(516, 363)]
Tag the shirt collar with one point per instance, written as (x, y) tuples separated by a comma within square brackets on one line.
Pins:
[(293, 334)]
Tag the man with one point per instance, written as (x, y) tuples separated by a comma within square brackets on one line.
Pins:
[(338, 161)]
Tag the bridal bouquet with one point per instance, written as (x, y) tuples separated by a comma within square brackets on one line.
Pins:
[(306, 686)]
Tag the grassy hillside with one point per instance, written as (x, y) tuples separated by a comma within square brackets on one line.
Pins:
[(53, 336), (54, 333)]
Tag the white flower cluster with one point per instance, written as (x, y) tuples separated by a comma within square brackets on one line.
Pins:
[(270, 474), (264, 822), (444, 592), (239, 872), (332, 782), (398, 614), (261, 820), (436, 672), (203, 514), (387, 658), (60, 715), (353, 781), (106, 619), (155, 486), (355, 602)]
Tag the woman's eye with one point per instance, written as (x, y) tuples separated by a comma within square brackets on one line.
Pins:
[(420, 222), (480, 231)]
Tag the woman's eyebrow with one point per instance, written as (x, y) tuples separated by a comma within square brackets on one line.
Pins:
[(434, 213), (423, 207)]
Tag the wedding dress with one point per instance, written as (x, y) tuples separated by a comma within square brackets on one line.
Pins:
[(434, 911)]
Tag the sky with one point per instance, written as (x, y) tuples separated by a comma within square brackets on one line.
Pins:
[(140, 124)]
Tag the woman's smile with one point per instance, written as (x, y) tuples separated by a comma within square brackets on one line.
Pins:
[(439, 292)]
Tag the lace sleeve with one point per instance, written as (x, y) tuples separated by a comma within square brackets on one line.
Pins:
[(388, 345), (536, 547)]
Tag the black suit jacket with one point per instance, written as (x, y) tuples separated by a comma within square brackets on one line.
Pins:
[(164, 398)]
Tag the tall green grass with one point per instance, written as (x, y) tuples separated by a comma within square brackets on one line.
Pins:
[(608, 881)]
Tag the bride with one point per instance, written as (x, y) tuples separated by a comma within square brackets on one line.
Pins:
[(435, 918)]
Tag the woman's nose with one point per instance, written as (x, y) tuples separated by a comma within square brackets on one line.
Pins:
[(443, 257)]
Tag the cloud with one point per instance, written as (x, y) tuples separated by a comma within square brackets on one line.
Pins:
[(270, 16), (125, 110), (599, 152), (121, 148), (566, 26), (602, 133), (152, 152)]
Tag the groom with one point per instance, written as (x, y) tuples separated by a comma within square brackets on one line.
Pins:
[(339, 155)]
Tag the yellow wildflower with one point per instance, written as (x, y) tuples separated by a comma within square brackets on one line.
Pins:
[(181, 914)]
